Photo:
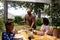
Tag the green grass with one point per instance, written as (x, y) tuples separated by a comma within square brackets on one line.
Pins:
[(38, 27), (15, 25)]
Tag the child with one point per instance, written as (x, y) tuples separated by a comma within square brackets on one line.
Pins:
[(44, 28), (8, 33)]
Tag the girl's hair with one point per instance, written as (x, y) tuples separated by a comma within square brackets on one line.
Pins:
[(45, 21)]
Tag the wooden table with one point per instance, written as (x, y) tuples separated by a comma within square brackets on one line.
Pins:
[(36, 37), (23, 34)]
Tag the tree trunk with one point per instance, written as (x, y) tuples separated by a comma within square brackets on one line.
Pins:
[(5, 10)]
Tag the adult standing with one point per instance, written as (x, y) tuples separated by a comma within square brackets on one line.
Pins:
[(30, 18)]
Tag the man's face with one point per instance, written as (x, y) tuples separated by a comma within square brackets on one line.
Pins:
[(29, 12), (10, 28)]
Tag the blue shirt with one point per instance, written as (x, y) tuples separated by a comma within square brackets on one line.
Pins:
[(5, 36)]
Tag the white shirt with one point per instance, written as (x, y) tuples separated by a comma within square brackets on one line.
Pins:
[(45, 29)]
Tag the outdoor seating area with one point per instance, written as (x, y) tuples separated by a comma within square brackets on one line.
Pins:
[(29, 19), (25, 34)]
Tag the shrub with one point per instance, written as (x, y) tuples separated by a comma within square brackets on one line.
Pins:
[(38, 21), (56, 22), (18, 19)]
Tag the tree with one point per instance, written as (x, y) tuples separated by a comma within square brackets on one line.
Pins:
[(37, 8), (47, 10), (1, 18), (32, 6), (55, 12)]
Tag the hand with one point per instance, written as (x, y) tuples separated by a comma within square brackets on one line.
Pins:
[(15, 31)]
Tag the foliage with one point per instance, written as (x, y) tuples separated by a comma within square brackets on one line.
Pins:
[(18, 19), (38, 21), (32, 6), (47, 11), (38, 5), (1, 24), (56, 21), (37, 8), (29, 4), (38, 28), (1, 19), (55, 8)]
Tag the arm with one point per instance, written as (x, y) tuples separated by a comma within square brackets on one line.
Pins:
[(32, 24), (15, 31), (42, 28), (23, 20), (33, 21)]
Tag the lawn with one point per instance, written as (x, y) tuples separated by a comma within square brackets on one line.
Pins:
[(38, 27), (15, 25)]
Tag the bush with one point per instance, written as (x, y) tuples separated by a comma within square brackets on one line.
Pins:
[(56, 21), (38, 21), (18, 19)]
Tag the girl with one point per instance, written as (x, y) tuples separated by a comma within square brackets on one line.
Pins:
[(44, 28)]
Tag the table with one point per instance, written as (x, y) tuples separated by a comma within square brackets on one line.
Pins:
[(22, 34), (36, 37)]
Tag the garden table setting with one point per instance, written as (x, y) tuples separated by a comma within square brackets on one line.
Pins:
[(25, 34)]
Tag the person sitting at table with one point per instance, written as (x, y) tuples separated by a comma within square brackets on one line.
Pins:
[(44, 28), (8, 33), (14, 30)]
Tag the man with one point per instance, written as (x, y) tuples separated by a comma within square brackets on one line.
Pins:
[(31, 19), (8, 33)]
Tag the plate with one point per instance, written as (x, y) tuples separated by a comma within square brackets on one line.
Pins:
[(19, 38)]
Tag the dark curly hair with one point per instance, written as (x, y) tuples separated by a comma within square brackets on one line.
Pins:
[(8, 23), (45, 21)]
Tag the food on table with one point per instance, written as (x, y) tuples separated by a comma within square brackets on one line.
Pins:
[(17, 35), (35, 32)]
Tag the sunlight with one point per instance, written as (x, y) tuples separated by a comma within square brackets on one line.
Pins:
[(18, 12)]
